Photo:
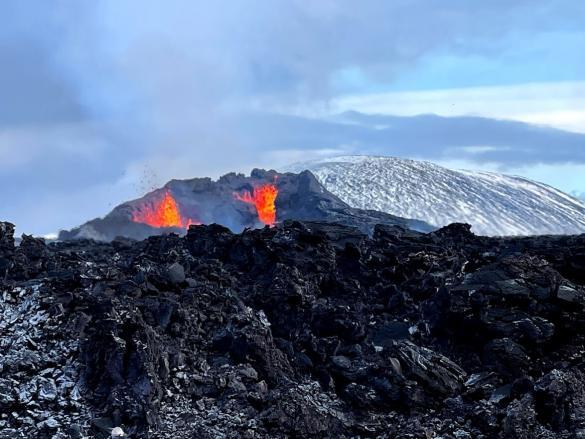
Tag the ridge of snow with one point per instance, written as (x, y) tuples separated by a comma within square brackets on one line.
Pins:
[(494, 204)]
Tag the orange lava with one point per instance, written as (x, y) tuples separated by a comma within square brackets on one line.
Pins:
[(164, 213), (263, 198)]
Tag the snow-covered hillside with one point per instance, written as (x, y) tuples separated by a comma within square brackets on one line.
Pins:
[(494, 204)]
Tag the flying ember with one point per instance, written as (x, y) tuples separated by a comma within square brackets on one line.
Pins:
[(162, 213), (263, 198)]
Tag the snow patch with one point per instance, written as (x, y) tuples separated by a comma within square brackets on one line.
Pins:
[(494, 204)]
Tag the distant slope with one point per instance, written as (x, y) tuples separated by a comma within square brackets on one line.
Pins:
[(494, 204)]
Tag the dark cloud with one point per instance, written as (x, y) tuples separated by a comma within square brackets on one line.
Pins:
[(31, 90), (475, 139)]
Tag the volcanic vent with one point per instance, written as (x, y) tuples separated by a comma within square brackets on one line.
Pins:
[(235, 201), (263, 198), (161, 213)]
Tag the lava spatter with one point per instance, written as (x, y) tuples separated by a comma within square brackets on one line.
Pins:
[(163, 213), (263, 197)]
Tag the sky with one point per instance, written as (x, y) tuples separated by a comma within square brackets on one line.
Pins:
[(103, 100)]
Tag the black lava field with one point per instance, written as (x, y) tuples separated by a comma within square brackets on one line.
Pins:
[(302, 330)]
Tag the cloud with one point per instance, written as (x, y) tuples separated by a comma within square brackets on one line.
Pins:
[(93, 91), (31, 91), (503, 143), (557, 104)]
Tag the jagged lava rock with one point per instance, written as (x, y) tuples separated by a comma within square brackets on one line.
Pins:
[(306, 329)]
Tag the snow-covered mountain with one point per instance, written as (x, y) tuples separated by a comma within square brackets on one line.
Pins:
[(494, 204)]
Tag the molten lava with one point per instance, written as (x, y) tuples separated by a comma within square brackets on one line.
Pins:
[(263, 198), (163, 213)]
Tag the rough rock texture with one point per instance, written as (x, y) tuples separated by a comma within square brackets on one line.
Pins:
[(300, 197), (306, 330)]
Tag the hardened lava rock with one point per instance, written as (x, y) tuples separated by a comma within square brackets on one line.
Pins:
[(307, 329)]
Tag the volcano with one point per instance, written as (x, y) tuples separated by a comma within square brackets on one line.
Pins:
[(235, 201)]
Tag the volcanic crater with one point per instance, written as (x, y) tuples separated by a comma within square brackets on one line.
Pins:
[(235, 201)]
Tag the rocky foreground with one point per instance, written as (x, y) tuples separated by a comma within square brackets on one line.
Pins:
[(301, 330)]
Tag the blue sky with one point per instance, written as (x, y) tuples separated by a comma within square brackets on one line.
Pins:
[(101, 100), (522, 57)]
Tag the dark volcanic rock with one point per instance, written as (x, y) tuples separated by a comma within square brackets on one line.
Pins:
[(6, 237), (434, 370), (6, 246), (308, 329), (300, 197)]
